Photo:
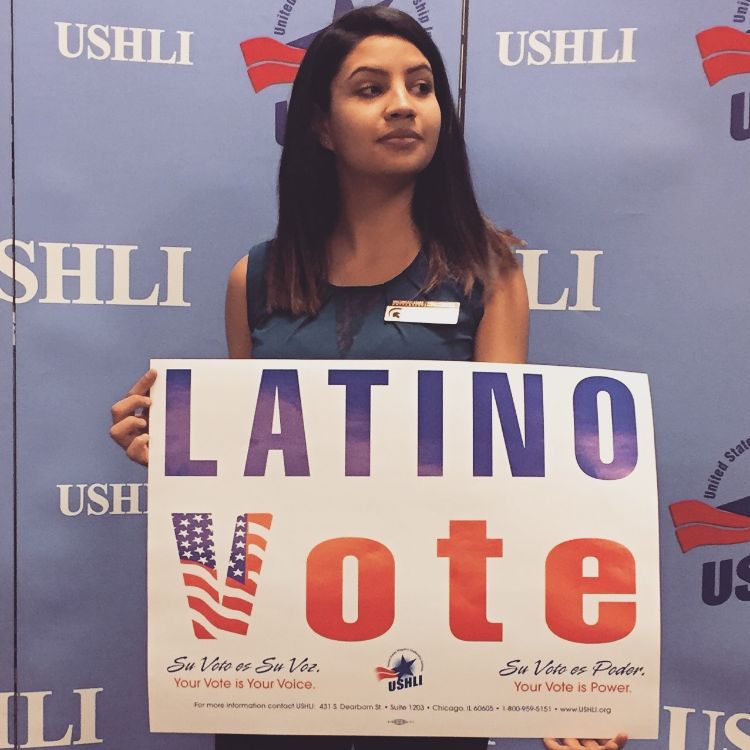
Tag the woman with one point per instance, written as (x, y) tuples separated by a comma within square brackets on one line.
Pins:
[(376, 206)]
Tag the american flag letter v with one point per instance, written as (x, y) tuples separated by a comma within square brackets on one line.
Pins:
[(220, 606)]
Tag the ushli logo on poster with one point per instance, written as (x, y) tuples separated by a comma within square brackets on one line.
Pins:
[(700, 524), (725, 51), (404, 670)]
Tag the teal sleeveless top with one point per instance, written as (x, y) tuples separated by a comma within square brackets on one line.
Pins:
[(351, 324)]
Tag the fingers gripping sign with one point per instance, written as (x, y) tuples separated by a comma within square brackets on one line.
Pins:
[(130, 419), (615, 743)]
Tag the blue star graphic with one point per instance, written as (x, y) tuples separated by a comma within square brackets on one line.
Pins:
[(404, 667), (344, 6), (341, 7)]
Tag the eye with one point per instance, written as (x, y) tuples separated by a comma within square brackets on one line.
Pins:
[(423, 88), (370, 91)]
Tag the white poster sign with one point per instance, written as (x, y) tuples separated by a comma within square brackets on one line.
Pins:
[(402, 548)]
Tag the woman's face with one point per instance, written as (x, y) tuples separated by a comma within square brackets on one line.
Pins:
[(384, 119)]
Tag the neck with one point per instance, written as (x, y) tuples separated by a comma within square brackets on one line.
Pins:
[(375, 227)]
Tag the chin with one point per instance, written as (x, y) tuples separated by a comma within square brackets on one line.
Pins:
[(402, 167), (396, 174), (379, 168)]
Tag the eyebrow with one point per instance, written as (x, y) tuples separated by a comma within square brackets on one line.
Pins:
[(381, 71)]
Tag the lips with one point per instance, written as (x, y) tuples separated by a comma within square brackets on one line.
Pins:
[(401, 135)]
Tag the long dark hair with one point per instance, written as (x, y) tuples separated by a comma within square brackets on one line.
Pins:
[(458, 241)]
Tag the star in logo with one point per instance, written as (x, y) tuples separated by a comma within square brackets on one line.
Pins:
[(270, 62), (405, 667)]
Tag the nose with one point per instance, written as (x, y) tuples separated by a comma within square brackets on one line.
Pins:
[(400, 105)]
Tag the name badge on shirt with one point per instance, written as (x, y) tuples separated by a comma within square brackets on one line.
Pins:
[(422, 311)]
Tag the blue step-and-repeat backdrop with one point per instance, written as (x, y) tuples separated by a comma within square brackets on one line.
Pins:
[(614, 137)]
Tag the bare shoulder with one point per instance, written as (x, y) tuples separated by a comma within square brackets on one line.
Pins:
[(239, 343), (503, 332), (238, 274), (510, 284)]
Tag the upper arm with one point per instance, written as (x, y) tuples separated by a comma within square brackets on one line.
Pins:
[(503, 332), (239, 343)]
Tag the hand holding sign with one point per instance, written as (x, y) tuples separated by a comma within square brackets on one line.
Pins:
[(130, 419), (616, 743)]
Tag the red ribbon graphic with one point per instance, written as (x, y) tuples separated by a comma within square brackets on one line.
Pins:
[(270, 62), (725, 52)]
